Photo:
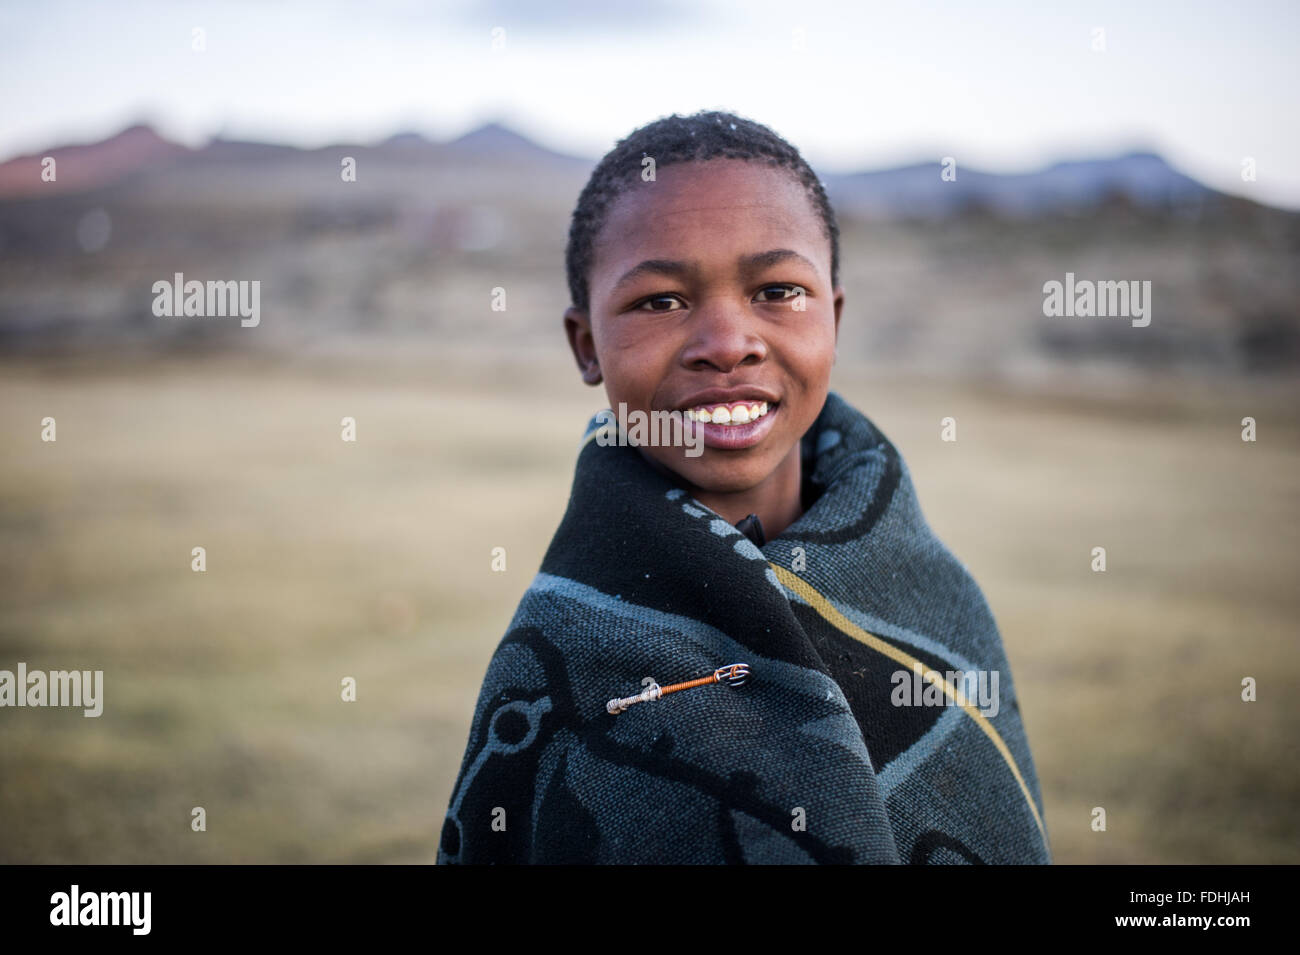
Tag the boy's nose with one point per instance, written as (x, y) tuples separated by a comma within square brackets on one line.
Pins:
[(722, 336)]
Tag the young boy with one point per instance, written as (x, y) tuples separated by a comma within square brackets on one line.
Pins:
[(744, 644)]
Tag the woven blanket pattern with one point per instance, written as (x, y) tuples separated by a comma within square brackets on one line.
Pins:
[(643, 585)]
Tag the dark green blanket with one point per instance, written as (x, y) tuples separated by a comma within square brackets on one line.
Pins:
[(861, 735)]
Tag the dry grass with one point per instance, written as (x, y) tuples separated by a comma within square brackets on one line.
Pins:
[(371, 560)]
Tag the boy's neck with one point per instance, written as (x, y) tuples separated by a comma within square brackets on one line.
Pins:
[(778, 500)]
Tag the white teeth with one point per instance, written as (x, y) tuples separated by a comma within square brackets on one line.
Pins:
[(722, 414), (726, 414)]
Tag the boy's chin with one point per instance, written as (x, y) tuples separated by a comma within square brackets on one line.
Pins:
[(719, 472)]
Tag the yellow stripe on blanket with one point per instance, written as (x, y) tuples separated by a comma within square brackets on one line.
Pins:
[(836, 619)]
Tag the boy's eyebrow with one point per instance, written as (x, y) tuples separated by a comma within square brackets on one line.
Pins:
[(761, 260), (678, 269)]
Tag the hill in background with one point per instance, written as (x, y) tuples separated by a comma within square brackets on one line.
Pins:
[(939, 274)]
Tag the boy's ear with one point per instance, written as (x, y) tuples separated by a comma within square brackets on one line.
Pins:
[(577, 326), (839, 307)]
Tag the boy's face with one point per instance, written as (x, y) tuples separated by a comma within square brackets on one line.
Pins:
[(695, 306)]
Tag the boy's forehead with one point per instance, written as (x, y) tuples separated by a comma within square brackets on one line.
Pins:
[(718, 187), (716, 208)]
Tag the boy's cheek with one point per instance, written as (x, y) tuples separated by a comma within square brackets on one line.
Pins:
[(632, 381)]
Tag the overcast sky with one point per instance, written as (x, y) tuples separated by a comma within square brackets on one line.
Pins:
[(853, 85)]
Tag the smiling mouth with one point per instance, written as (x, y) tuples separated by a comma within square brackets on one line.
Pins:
[(730, 414), (732, 425)]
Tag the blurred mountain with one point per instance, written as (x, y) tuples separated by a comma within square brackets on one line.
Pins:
[(140, 149), (89, 165), (497, 142), (413, 248), (906, 192), (919, 191)]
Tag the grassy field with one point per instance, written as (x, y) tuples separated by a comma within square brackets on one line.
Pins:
[(371, 560)]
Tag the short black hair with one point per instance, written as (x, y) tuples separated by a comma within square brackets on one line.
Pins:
[(708, 134)]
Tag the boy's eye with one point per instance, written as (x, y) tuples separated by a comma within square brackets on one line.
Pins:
[(655, 300), (663, 303), (788, 292)]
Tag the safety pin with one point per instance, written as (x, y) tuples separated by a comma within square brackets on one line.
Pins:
[(734, 674)]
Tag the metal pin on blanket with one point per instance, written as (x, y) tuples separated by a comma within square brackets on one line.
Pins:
[(734, 674)]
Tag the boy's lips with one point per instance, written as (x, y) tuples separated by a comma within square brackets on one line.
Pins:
[(731, 419), (733, 437)]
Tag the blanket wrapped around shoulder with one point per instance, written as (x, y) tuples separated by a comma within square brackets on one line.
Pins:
[(864, 732)]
